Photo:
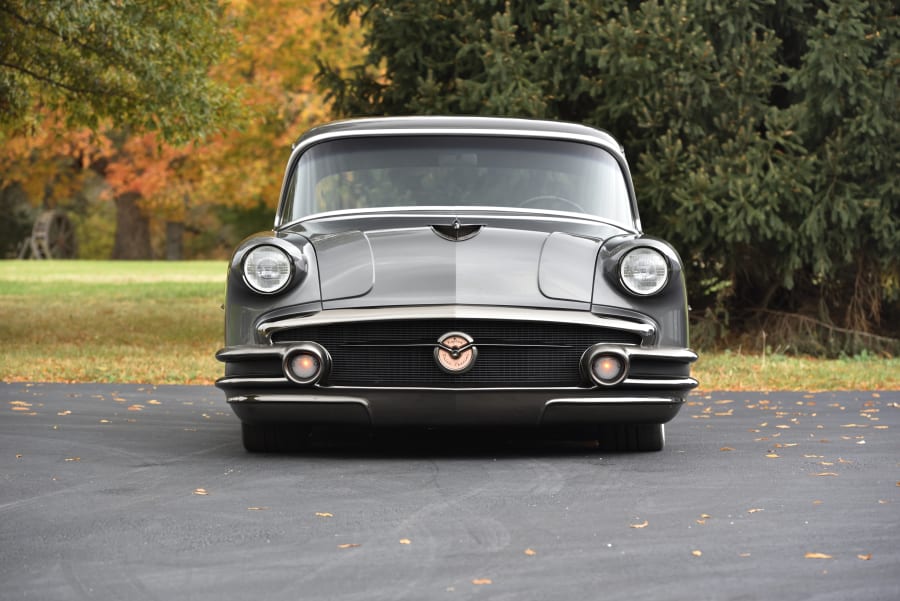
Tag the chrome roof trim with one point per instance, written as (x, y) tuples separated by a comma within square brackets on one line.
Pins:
[(593, 140), (330, 316)]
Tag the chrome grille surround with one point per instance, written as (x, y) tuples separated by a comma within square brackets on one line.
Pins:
[(518, 348)]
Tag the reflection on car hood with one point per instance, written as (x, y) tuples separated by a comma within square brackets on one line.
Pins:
[(499, 263)]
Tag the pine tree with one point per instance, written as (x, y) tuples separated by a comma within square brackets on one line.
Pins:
[(764, 136)]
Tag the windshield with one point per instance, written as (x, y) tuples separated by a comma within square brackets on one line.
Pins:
[(451, 171)]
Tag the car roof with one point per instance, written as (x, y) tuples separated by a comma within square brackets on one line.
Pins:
[(452, 124)]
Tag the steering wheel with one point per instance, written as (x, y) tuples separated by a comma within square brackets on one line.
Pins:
[(551, 198)]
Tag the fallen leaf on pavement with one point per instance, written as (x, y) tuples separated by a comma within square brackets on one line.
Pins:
[(257, 508), (348, 546), (405, 541), (826, 474), (324, 514), (817, 556), (696, 552), (482, 581), (530, 552), (200, 491), (73, 459), (643, 524), (755, 510), (865, 557), (726, 449)]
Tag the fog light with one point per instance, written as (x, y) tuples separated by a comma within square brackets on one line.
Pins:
[(605, 365), (305, 364), (608, 368)]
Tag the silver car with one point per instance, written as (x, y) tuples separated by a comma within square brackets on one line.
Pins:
[(456, 271)]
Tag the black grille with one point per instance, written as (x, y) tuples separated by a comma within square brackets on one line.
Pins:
[(534, 354)]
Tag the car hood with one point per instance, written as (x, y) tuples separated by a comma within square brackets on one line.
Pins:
[(446, 259)]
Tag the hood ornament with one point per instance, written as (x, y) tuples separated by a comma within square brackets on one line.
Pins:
[(456, 231), (455, 352)]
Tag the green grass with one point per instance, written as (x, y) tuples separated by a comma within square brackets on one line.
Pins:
[(101, 321), (161, 323)]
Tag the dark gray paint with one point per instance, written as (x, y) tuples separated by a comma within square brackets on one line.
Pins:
[(564, 261), (518, 260), (346, 266)]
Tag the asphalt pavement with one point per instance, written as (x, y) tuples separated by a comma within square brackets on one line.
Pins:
[(140, 492)]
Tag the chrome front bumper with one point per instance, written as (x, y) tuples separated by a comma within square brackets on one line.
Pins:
[(406, 407)]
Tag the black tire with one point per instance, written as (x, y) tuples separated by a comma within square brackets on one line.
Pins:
[(630, 438), (274, 438)]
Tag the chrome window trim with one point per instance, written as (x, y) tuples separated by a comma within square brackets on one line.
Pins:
[(332, 316), (470, 212)]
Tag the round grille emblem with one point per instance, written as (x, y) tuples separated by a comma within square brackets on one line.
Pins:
[(455, 352)]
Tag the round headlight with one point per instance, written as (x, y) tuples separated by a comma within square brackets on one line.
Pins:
[(267, 269), (644, 271)]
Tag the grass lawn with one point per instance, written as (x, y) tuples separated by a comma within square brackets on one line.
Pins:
[(161, 323)]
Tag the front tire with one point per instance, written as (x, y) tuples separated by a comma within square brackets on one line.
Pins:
[(630, 438), (274, 438)]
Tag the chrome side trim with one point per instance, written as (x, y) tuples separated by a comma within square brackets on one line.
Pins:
[(242, 353), (678, 355), (661, 382), (332, 316), (307, 398), (245, 381), (617, 400)]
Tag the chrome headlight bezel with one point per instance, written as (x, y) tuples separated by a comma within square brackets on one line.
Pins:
[(284, 268), (644, 271)]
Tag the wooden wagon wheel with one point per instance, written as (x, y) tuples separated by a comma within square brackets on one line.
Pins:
[(53, 236)]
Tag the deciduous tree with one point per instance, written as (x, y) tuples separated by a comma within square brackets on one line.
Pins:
[(140, 65)]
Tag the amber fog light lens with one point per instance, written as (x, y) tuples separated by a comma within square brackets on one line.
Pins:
[(608, 369), (305, 366)]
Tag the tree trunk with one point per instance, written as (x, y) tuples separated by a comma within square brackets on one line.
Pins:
[(174, 240), (132, 230)]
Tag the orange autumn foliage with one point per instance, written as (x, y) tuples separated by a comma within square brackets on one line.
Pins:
[(271, 68)]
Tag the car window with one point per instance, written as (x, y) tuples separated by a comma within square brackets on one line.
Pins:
[(470, 171)]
